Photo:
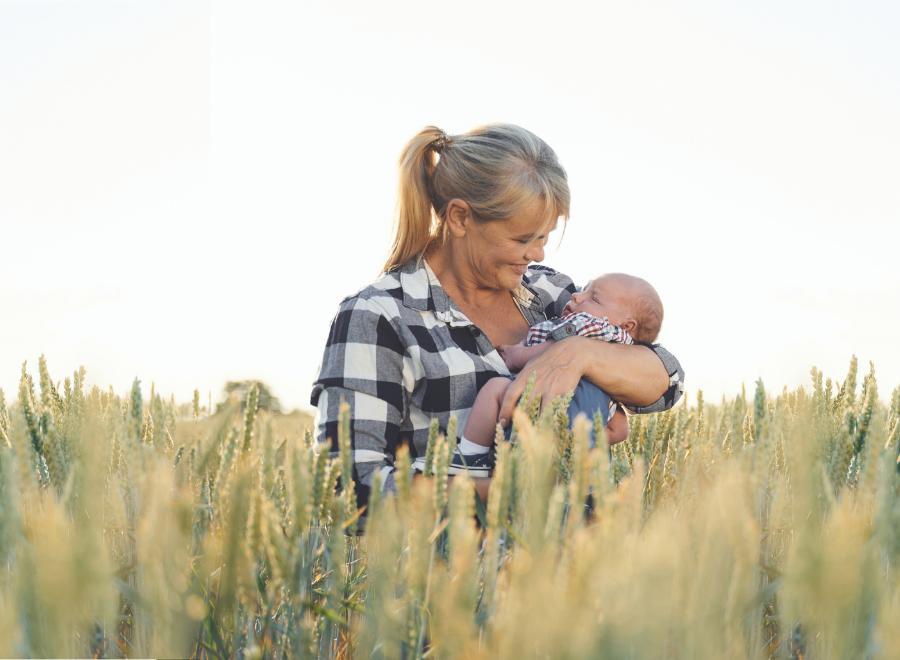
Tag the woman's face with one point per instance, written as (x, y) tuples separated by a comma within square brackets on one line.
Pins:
[(499, 252)]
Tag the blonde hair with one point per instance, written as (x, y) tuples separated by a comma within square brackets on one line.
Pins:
[(496, 169)]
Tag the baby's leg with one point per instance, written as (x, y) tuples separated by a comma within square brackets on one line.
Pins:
[(617, 427), (588, 399), (483, 419), (473, 454)]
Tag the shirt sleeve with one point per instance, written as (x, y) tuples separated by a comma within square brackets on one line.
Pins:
[(556, 289), (363, 365), (676, 382)]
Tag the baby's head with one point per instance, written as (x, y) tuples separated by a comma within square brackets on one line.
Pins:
[(627, 301)]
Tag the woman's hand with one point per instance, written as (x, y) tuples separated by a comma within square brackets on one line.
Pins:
[(516, 356), (557, 371), (632, 375)]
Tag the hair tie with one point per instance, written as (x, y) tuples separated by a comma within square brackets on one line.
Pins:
[(441, 142)]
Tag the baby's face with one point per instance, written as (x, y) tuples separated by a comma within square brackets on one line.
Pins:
[(603, 296)]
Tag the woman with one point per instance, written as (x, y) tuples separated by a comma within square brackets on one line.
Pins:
[(474, 214)]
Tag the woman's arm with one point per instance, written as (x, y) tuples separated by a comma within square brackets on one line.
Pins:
[(517, 356), (632, 374), (363, 365), (636, 374)]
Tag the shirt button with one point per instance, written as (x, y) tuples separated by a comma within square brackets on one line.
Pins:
[(475, 331), (569, 329)]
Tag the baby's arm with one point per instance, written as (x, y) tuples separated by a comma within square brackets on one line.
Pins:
[(617, 427), (517, 356)]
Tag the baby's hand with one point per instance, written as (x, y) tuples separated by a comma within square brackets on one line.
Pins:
[(515, 355), (617, 427)]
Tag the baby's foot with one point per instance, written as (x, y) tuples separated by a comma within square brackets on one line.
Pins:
[(477, 465)]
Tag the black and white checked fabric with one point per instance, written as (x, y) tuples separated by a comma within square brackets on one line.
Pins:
[(400, 353)]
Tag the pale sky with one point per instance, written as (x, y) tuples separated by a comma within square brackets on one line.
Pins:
[(188, 189)]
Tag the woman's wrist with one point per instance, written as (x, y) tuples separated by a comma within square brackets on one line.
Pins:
[(579, 351)]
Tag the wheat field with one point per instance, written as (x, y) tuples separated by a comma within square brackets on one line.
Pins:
[(760, 526)]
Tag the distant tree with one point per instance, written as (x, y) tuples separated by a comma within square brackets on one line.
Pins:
[(238, 389)]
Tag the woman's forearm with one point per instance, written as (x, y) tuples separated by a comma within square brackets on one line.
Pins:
[(630, 374)]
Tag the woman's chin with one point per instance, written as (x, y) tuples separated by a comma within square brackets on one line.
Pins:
[(509, 278), (512, 281), (519, 271)]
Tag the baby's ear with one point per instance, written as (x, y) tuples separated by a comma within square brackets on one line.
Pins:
[(629, 326)]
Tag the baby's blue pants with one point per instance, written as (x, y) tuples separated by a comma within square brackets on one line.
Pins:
[(587, 399)]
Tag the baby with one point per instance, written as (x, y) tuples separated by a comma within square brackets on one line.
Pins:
[(615, 308)]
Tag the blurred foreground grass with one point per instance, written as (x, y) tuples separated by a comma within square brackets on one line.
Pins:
[(763, 527)]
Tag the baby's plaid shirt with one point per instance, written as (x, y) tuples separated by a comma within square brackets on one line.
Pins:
[(577, 324)]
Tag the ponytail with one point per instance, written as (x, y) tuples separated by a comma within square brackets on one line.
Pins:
[(415, 219)]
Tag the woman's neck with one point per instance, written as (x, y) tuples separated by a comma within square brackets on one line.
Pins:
[(459, 280)]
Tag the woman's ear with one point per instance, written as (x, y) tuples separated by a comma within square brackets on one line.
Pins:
[(459, 217)]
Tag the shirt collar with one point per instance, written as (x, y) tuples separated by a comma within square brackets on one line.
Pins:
[(524, 294), (423, 291)]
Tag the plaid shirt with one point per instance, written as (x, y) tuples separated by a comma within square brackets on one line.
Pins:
[(400, 352), (577, 324)]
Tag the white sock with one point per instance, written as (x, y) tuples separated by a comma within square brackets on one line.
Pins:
[(467, 447)]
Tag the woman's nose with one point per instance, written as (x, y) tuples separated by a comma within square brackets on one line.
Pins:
[(535, 253)]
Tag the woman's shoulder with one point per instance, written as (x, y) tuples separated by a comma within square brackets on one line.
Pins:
[(552, 287), (365, 321), (404, 292), (550, 278), (384, 295)]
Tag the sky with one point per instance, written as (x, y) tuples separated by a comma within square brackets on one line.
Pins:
[(188, 189)]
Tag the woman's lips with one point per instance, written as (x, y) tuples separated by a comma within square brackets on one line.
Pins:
[(520, 269)]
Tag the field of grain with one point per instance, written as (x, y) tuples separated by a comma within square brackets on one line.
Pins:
[(760, 526)]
